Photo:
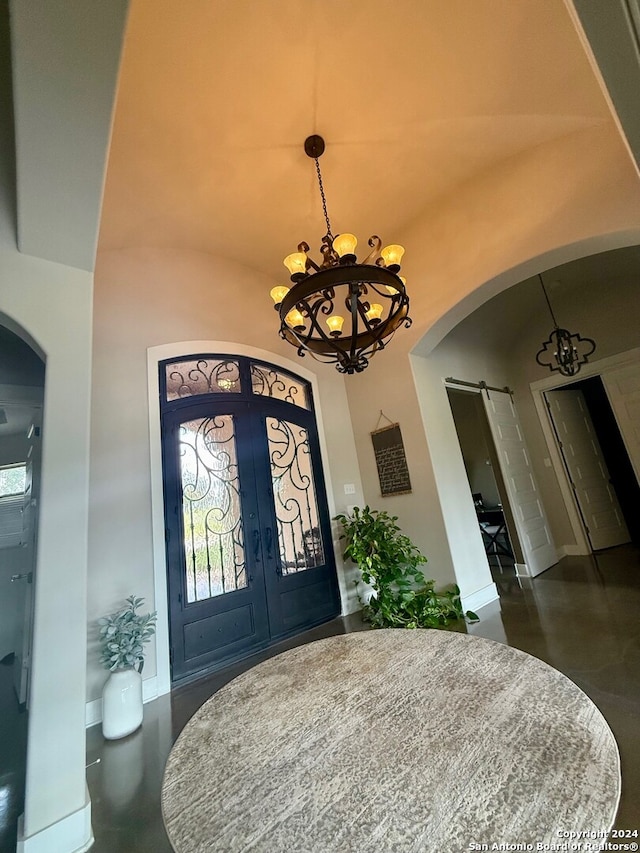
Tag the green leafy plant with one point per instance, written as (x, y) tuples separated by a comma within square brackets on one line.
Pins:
[(123, 635), (390, 563)]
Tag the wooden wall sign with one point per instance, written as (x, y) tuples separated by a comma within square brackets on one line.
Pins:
[(391, 461)]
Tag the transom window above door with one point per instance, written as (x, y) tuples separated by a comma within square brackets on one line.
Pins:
[(220, 374)]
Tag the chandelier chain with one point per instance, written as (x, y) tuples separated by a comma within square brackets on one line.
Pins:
[(324, 199), (544, 290)]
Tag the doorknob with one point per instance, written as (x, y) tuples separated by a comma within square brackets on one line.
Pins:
[(256, 544), (21, 577), (268, 535)]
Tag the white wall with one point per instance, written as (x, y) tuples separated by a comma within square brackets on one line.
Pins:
[(547, 206), (147, 298), (13, 448)]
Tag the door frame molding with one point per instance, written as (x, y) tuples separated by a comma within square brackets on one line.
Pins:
[(176, 350), (522, 569), (551, 383)]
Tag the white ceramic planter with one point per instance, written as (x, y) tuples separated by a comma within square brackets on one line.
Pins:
[(121, 703)]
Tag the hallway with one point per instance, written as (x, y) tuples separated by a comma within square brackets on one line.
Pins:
[(580, 616)]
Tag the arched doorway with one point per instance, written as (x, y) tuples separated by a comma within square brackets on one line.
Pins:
[(21, 396)]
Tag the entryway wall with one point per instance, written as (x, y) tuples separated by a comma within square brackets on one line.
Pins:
[(339, 465)]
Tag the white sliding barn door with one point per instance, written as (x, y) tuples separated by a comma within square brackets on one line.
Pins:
[(588, 472), (623, 389), (524, 498)]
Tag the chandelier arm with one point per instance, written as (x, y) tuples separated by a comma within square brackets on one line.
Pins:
[(340, 349), (324, 306), (375, 244)]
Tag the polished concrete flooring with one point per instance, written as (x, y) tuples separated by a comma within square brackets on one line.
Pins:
[(13, 745), (580, 616)]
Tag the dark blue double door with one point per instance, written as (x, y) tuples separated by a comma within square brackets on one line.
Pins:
[(249, 548)]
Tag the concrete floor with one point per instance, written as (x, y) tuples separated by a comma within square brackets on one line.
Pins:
[(13, 747), (581, 616)]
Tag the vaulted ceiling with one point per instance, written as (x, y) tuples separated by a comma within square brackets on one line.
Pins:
[(413, 98), (215, 98)]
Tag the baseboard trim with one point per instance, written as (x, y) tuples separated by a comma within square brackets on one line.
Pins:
[(93, 709), (72, 834), (480, 598), (570, 551)]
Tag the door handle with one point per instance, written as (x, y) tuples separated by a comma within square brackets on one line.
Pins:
[(256, 544), (26, 576), (268, 536)]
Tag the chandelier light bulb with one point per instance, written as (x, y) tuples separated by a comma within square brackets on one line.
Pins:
[(295, 319), (392, 255), (335, 323), (278, 293), (394, 290), (345, 245), (374, 313), (296, 263)]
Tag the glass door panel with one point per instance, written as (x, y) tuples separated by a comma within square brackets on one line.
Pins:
[(212, 520), (296, 507)]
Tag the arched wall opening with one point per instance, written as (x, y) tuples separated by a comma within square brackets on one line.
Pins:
[(446, 351), (22, 378), (50, 307)]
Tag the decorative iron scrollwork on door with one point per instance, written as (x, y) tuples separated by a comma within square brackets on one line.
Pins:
[(299, 538), (270, 381), (213, 535), (196, 376)]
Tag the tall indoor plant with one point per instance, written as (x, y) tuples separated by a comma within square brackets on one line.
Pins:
[(390, 564), (123, 635)]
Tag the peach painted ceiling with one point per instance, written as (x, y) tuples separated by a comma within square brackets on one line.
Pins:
[(413, 98)]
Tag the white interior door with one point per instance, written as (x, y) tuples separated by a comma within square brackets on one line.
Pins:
[(588, 472), (524, 498), (24, 580), (623, 389)]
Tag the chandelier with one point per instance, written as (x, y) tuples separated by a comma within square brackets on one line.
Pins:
[(341, 311), (564, 351)]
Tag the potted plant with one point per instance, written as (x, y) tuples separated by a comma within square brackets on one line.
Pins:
[(123, 635), (391, 564)]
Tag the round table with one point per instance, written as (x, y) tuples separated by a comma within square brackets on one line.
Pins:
[(391, 741)]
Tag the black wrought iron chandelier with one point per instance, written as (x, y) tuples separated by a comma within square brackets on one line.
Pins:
[(565, 352), (341, 311)]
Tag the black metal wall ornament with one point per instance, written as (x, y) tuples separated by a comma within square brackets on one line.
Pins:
[(564, 351), (371, 293)]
